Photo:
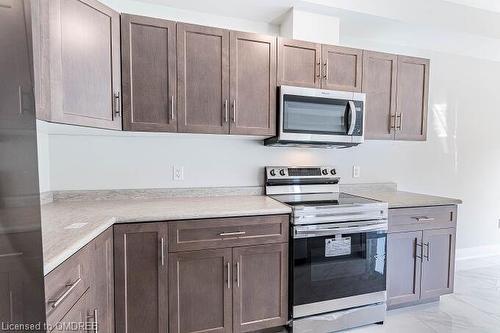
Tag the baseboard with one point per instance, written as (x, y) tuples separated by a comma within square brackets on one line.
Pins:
[(478, 252)]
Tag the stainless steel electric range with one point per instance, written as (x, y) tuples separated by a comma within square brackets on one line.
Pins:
[(337, 250)]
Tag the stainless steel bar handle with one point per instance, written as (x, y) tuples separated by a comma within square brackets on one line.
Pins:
[(392, 122), (352, 113), (424, 219), (162, 241), (298, 231), (117, 104), (417, 246), (400, 122), (225, 111), (15, 254), (172, 109), (54, 303), (428, 254), (228, 275), (234, 111), (96, 320), (235, 233), (238, 274)]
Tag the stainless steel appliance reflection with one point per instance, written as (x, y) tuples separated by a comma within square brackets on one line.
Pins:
[(338, 250)]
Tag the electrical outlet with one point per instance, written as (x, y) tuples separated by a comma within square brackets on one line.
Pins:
[(356, 171), (178, 173)]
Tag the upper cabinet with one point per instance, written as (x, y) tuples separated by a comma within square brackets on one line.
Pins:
[(307, 64), (299, 63), (252, 84), (83, 60), (187, 78), (149, 74), (412, 98), (379, 85), (342, 68), (396, 90), (203, 79)]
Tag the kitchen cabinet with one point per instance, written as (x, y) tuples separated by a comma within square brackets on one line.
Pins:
[(203, 79), (76, 316), (226, 285), (78, 58), (342, 68), (149, 74), (101, 304), (299, 63), (421, 254), (252, 84), (412, 98), (141, 277), (396, 90), (438, 262), (404, 266), (200, 291), (379, 85), (259, 291)]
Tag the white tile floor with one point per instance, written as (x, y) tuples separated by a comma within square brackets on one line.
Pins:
[(473, 308)]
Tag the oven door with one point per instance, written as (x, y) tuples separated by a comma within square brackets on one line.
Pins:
[(315, 115), (336, 268)]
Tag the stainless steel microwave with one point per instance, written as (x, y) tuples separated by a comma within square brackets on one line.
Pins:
[(311, 117)]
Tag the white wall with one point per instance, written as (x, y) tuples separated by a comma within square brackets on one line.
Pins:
[(461, 157)]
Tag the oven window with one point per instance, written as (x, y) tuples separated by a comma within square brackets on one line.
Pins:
[(314, 115), (331, 267)]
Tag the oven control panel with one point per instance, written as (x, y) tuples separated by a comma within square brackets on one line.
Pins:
[(277, 172)]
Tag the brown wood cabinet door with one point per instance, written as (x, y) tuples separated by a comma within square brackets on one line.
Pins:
[(102, 300), (200, 291), (379, 85), (79, 313), (260, 287), (85, 63), (412, 98), (438, 266), (149, 74), (252, 84), (203, 79), (404, 262), (342, 68), (299, 63), (141, 277)]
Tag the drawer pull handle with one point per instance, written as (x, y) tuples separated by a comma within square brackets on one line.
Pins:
[(236, 233), (16, 254), (424, 219), (54, 303)]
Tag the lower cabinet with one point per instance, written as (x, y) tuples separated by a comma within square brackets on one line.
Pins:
[(420, 263), (141, 303), (241, 289), (80, 290)]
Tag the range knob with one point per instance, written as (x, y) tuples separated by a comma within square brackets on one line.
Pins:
[(272, 172), (282, 172), (324, 172), (333, 172)]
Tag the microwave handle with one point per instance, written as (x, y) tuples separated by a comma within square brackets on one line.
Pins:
[(352, 117)]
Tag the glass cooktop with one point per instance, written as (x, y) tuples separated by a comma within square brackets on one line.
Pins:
[(321, 199)]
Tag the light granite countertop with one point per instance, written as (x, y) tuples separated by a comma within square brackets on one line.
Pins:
[(67, 226), (402, 199)]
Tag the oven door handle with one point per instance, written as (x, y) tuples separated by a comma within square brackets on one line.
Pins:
[(352, 117), (305, 232)]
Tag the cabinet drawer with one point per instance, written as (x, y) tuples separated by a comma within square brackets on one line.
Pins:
[(227, 232), (422, 218), (66, 284)]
